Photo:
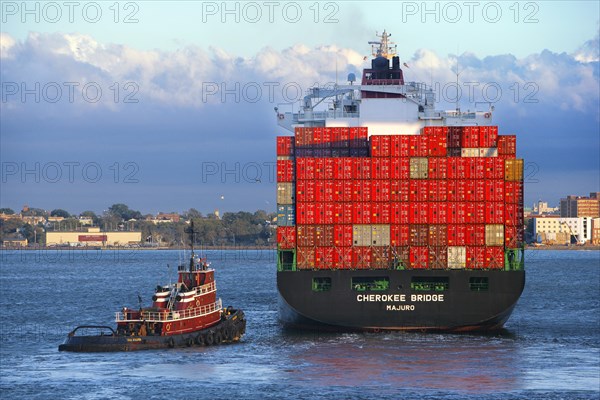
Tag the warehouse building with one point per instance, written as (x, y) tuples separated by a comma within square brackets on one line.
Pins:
[(93, 237)]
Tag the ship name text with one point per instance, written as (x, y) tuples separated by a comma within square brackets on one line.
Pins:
[(399, 298)]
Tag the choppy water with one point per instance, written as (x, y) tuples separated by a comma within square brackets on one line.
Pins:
[(550, 349)]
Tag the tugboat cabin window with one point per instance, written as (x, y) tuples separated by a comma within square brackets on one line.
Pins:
[(429, 283), (367, 283), (321, 284), (479, 284)]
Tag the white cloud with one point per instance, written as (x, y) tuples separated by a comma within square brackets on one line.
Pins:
[(179, 77)]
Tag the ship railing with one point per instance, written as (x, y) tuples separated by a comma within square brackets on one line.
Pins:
[(325, 114), (161, 316), (209, 287)]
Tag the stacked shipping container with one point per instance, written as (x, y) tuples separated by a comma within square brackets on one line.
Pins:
[(451, 197)]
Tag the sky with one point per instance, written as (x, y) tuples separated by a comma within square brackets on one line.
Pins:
[(165, 106)]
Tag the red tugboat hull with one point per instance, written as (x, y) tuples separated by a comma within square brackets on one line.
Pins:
[(228, 330)]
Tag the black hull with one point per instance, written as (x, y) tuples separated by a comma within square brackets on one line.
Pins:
[(342, 308), (228, 330)]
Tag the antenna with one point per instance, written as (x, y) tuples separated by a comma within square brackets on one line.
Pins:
[(458, 72)]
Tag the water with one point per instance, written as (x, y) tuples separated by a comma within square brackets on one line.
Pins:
[(549, 350)]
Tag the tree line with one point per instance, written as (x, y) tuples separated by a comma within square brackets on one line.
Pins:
[(240, 228)]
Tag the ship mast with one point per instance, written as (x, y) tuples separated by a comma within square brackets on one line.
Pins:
[(384, 47)]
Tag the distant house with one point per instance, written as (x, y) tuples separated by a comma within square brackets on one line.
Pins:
[(164, 218), (14, 240), (5, 217), (55, 219), (86, 221)]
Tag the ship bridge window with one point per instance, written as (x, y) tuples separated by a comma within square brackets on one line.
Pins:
[(321, 284), (429, 283), (479, 284), (368, 283)]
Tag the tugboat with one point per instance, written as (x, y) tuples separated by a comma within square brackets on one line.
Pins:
[(185, 313)]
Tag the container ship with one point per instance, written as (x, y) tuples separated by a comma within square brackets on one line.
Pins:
[(395, 216)]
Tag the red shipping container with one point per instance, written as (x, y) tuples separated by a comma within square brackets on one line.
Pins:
[(438, 190), (510, 237), (324, 213), (317, 138), (438, 257), (342, 213), (380, 213), (511, 216), (456, 234), (399, 190), (400, 168), (380, 168), (438, 213), (418, 235), (463, 166), (478, 168), (469, 190), (342, 235), (324, 235), (418, 213), (380, 258), (361, 213), (456, 213), (361, 168), (305, 213), (419, 257), (306, 190), (452, 191), (488, 137), (361, 191), (361, 257), (324, 257), (414, 143), (404, 146), (507, 145), (305, 257), (494, 257), (469, 212), (342, 257), (305, 236), (452, 167), (400, 213), (328, 137), (437, 145), (475, 257), (380, 145), (328, 169), (453, 135), (347, 191), (438, 168), (347, 168), (285, 146), (380, 190), (479, 190), (494, 190), (461, 190), (399, 235), (285, 170), (513, 192), (438, 235), (306, 168), (338, 191), (419, 190), (286, 237), (494, 213), (479, 213), (475, 235)]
